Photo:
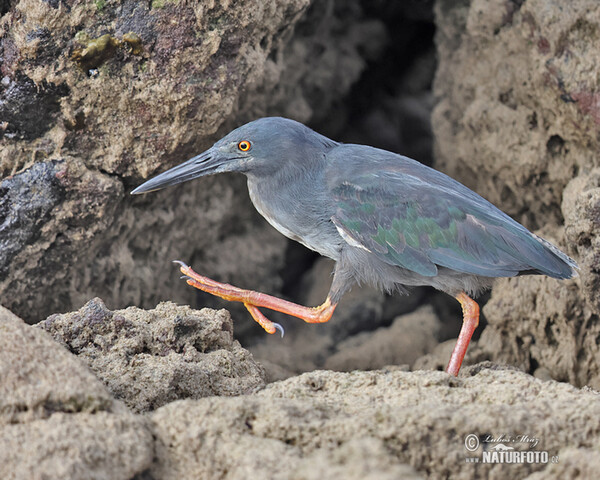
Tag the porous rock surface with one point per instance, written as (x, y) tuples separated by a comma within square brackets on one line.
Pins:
[(57, 420), (150, 358), (310, 422), (517, 118), (97, 96)]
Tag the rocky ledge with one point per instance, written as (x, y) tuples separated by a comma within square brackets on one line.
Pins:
[(74, 386)]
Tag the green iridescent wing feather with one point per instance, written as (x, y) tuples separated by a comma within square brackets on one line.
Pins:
[(421, 223)]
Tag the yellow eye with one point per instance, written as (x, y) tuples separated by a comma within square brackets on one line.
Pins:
[(244, 145)]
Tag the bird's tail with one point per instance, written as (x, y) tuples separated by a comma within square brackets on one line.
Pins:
[(567, 266)]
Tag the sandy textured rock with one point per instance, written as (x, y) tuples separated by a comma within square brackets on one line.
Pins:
[(360, 459), (581, 206), (150, 358), (438, 357), (100, 446), (40, 377), (573, 463), (57, 420), (405, 418), (517, 119), (381, 424), (556, 336), (97, 96)]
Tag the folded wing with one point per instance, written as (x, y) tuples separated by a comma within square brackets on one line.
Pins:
[(423, 220)]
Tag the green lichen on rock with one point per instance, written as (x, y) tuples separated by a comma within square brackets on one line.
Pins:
[(94, 52)]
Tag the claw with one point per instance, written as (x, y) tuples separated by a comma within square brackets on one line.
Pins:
[(180, 263), (280, 328), (185, 277)]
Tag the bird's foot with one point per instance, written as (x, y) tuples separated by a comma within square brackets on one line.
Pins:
[(252, 300)]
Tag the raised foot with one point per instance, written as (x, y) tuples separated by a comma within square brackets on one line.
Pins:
[(252, 300)]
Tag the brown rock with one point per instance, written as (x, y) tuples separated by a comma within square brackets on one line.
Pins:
[(40, 377), (313, 423), (57, 419), (554, 336), (581, 206), (360, 459), (507, 122), (572, 463), (99, 446), (381, 424), (439, 356), (151, 358)]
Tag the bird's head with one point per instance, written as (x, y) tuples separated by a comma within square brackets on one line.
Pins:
[(259, 148)]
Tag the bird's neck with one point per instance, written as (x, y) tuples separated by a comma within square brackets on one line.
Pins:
[(298, 207)]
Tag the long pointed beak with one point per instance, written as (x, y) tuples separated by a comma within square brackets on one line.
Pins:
[(204, 164)]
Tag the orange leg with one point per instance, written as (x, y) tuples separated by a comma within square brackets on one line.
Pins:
[(470, 322), (252, 300)]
